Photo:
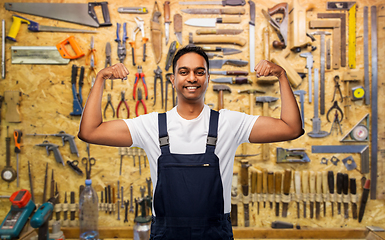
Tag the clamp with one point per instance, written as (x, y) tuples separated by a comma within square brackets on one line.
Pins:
[(139, 75), (335, 106), (139, 27), (122, 100), (337, 88), (140, 100), (109, 103), (158, 74), (121, 43)]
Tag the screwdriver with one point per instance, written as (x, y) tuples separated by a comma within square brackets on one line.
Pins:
[(17, 136)]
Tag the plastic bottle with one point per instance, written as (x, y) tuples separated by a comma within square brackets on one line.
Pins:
[(88, 213)]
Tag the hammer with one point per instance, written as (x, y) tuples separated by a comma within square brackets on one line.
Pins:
[(220, 89), (251, 93), (265, 100)]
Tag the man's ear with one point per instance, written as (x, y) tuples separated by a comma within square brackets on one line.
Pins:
[(208, 78), (172, 79)]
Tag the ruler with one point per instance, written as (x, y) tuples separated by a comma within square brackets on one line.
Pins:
[(380, 150)]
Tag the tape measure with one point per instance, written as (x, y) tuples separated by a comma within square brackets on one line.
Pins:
[(360, 133), (358, 93)]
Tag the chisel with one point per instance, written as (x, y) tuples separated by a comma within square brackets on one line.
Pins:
[(318, 196), (331, 189), (253, 184), (345, 197), (286, 192), (364, 199), (353, 196), (305, 190), (270, 187), (312, 192), (339, 191), (245, 189), (234, 200), (264, 186), (259, 188), (325, 189), (297, 184), (278, 186)]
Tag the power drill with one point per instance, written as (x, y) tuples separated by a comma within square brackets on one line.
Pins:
[(21, 209), (41, 217)]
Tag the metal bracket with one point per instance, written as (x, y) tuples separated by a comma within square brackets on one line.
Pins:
[(349, 163), (324, 160), (334, 161)]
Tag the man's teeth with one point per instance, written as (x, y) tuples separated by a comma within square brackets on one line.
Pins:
[(191, 88)]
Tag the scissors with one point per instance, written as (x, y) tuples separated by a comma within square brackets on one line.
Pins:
[(89, 162)]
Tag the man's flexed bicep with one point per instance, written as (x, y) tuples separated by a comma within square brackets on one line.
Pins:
[(92, 128)]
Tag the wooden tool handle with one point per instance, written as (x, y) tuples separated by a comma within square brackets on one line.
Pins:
[(230, 19), (166, 6), (312, 181), (228, 39), (253, 183), (259, 181), (297, 181), (266, 44), (220, 100), (264, 180), (305, 182), (178, 23), (319, 182), (278, 182), (325, 186), (206, 31), (270, 182), (232, 11), (244, 173), (286, 181), (279, 8)]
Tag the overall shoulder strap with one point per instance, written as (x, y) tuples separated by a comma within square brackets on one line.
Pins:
[(163, 135), (213, 131)]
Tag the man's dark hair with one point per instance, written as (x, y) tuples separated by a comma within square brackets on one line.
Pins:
[(188, 49)]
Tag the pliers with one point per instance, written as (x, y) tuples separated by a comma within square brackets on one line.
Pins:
[(91, 60), (139, 75), (140, 100), (139, 27), (121, 43), (122, 100), (335, 106), (108, 60), (158, 74), (109, 103), (337, 88)]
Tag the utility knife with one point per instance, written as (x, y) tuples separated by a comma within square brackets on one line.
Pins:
[(236, 80)]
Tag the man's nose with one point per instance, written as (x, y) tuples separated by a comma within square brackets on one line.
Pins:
[(192, 77)]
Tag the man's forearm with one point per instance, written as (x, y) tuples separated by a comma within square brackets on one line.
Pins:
[(92, 113), (290, 113)]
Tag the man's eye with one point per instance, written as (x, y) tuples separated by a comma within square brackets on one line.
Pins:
[(200, 73), (183, 72)]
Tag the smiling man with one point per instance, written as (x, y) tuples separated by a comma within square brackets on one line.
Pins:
[(191, 148)]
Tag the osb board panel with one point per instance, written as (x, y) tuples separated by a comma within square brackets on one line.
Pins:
[(46, 104)]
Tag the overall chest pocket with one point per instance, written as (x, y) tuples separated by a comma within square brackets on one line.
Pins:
[(190, 189)]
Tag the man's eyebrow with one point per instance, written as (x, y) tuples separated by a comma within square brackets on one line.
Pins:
[(186, 68)]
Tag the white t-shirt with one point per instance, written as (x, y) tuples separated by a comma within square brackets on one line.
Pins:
[(190, 136)]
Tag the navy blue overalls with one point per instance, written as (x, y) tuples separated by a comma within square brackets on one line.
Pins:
[(188, 198)]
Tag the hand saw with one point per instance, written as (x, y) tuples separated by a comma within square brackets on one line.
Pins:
[(78, 13)]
